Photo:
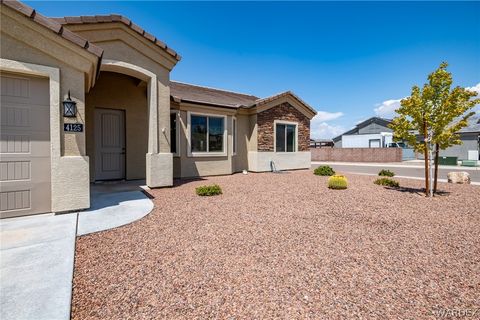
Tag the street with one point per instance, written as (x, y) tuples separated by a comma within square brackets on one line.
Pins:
[(403, 169)]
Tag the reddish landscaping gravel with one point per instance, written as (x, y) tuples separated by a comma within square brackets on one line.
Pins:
[(284, 246)]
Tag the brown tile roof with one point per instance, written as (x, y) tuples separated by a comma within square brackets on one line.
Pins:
[(53, 26), (222, 98), (280, 95), (121, 19), (211, 96)]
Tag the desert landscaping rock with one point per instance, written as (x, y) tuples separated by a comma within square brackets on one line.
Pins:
[(461, 177), (285, 246)]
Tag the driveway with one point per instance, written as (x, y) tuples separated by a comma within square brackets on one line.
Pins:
[(36, 266), (284, 246), (37, 252)]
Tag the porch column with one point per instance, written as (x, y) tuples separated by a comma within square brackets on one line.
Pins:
[(152, 97)]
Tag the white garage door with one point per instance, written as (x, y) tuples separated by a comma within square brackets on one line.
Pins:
[(25, 146)]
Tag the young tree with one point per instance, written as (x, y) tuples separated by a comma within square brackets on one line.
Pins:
[(414, 116), (451, 112), (437, 112)]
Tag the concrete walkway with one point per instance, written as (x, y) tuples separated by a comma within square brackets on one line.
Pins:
[(112, 210), (37, 252)]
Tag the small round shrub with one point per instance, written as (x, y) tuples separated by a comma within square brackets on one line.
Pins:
[(211, 190), (337, 182), (387, 182), (324, 171), (386, 173)]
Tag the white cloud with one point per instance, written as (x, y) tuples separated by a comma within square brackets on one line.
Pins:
[(322, 116), (387, 108), (320, 129), (475, 88), (323, 130)]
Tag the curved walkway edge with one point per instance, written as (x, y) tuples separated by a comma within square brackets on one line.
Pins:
[(112, 210)]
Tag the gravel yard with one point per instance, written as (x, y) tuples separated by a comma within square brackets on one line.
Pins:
[(284, 246)]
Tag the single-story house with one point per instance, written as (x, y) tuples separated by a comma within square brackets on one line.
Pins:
[(371, 133), (470, 137), (321, 143), (90, 98)]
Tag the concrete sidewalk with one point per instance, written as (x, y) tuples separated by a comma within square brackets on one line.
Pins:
[(404, 170), (405, 164)]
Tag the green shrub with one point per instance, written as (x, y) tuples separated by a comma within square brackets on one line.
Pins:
[(324, 171), (387, 182), (337, 182), (386, 173), (212, 190)]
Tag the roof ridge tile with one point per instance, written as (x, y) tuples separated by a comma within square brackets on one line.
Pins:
[(53, 25), (118, 18)]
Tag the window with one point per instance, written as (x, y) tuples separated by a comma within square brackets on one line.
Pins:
[(234, 136), (174, 133), (207, 134), (285, 137)]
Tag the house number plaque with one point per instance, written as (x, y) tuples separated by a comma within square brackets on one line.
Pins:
[(73, 127)]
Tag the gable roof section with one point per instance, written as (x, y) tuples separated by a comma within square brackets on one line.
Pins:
[(473, 125), (210, 96), (185, 92), (54, 27), (286, 95), (72, 20), (381, 121)]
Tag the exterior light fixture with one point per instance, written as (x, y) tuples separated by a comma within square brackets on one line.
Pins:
[(69, 107)]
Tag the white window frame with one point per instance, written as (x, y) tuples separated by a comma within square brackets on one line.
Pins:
[(275, 122), (223, 153), (177, 128), (234, 136)]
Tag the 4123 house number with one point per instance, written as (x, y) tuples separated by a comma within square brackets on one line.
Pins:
[(73, 127)]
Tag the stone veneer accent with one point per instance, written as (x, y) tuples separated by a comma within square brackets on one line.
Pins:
[(285, 112)]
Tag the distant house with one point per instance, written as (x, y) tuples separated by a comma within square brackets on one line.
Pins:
[(371, 133), (470, 137), (321, 143)]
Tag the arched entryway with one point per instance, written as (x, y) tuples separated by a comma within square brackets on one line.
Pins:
[(118, 110)]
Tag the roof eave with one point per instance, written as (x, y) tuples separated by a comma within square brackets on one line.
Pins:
[(204, 103)]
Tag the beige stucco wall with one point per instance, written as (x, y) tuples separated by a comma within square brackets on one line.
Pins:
[(133, 100), (25, 41)]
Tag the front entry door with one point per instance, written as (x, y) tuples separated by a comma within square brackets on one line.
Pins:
[(109, 144)]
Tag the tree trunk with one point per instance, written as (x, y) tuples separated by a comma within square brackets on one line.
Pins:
[(437, 151), (427, 176)]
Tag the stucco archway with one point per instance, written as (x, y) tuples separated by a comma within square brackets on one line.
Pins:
[(151, 79), (120, 87)]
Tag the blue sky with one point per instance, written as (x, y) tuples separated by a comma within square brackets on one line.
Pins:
[(349, 60)]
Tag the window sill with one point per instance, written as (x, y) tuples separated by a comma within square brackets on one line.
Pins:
[(207, 154)]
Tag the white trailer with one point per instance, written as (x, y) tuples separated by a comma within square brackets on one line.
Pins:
[(376, 140)]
